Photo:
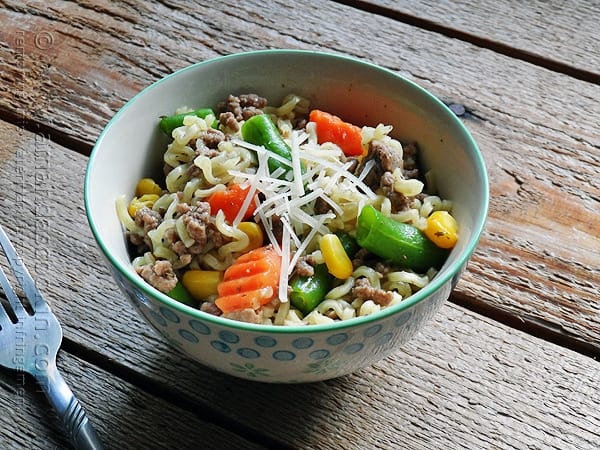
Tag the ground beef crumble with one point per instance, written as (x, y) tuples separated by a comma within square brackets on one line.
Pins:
[(410, 166), (381, 175), (400, 202), (211, 138), (159, 274), (364, 291), (304, 268), (200, 227), (197, 220), (243, 106), (228, 120), (210, 308), (147, 219), (198, 224), (246, 315), (386, 158), (361, 258)]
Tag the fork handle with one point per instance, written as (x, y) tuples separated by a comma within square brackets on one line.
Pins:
[(71, 413)]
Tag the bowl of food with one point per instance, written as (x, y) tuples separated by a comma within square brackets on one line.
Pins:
[(283, 215)]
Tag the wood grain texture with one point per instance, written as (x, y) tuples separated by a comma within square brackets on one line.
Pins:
[(123, 415), (538, 260), (563, 32), (465, 382)]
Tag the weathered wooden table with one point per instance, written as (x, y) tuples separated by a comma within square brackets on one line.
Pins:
[(512, 359)]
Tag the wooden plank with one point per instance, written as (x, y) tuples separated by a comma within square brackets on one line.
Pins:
[(465, 382), (541, 150), (123, 414), (560, 35)]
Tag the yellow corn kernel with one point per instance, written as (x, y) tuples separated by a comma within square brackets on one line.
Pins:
[(139, 202), (201, 284), (147, 186), (336, 259), (442, 229), (255, 235)]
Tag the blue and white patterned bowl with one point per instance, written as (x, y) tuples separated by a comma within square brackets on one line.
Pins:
[(131, 145)]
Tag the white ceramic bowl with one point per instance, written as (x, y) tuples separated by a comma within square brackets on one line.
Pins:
[(131, 146)]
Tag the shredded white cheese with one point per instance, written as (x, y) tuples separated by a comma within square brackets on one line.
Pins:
[(317, 173), (285, 260)]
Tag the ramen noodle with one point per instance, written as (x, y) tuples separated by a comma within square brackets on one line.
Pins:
[(289, 231)]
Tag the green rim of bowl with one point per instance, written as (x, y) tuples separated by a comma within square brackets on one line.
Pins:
[(442, 278)]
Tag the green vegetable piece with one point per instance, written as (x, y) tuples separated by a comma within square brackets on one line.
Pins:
[(180, 293), (308, 292), (260, 130), (349, 243), (169, 123), (401, 243)]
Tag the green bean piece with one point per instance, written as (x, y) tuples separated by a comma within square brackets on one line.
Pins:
[(180, 293), (169, 123), (307, 292), (260, 130), (349, 243), (400, 243)]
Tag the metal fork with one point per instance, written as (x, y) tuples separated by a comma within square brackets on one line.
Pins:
[(30, 345)]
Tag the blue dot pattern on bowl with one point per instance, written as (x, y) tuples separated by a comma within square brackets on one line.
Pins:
[(248, 353), (199, 327), (169, 315), (227, 342), (372, 331), (220, 346), (229, 337), (284, 355), (319, 354), (188, 335), (265, 341), (302, 343), (318, 358), (404, 317), (353, 348), (158, 318), (337, 339), (384, 338), (142, 298)]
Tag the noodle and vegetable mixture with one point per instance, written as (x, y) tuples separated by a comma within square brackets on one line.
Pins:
[(286, 215)]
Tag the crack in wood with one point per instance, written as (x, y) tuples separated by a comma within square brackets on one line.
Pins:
[(203, 411), (542, 329), (498, 47)]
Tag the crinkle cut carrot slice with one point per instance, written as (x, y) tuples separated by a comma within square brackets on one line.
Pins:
[(246, 269), (251, 281), (250, 299), (244, 284)]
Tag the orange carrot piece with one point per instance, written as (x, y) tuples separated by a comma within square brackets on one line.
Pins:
[(250, 299), (230, 202), (246, 269), (251, 281), (331, 128), (265, 252)]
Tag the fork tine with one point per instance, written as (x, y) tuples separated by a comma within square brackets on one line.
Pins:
[(34, 296), (4, 317), (14, 301)]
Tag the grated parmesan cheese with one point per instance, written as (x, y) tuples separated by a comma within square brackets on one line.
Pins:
[(317, 172)]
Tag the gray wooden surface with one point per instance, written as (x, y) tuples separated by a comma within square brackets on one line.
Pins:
[(557, 33), (511, 360)]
